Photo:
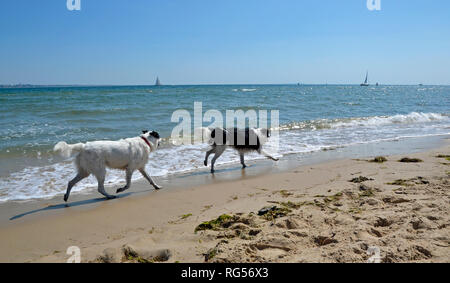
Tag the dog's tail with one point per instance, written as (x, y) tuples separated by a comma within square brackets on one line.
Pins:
[(66, 150)]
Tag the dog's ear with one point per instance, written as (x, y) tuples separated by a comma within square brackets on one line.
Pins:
[(155, 135), (144, 132)]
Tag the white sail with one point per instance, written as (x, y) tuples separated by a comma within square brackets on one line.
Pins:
[(366, 81)]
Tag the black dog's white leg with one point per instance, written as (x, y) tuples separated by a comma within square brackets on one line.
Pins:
[(269, 156)]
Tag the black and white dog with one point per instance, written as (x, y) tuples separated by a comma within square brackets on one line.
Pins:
[(242, 140), (94, 157)]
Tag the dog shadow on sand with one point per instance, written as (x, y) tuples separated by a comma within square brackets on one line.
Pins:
[(71, 204)]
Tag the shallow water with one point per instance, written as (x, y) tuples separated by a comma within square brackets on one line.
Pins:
[(312, 118)]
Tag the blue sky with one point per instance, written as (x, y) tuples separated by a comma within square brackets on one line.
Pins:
[(232, 41)]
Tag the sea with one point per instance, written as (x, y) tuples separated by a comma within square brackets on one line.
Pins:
[(311, 118)]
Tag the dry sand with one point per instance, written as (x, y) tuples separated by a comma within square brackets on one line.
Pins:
[(403, 211)]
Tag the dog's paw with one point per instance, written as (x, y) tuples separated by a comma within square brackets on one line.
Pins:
[(66, 198), (205, 162), (119, 190), (111, 197), (158, 188)]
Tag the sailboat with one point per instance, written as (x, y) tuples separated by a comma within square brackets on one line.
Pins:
[(158, 83), (366, 82)]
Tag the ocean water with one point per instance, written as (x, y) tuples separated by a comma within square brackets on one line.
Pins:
[(312, 118)]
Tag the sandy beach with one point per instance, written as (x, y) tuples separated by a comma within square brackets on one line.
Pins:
[(337, 211)]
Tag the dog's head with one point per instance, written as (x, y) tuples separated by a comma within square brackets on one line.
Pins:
[(153, 137)]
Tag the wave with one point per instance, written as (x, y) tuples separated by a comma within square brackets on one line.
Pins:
[(373, 121), (245, 89)]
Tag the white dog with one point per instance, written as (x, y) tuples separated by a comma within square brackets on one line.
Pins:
[(93, 158)]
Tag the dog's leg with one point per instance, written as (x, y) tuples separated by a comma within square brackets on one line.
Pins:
[(78, 178), (146, 176), (219, 152), (208, 154), (241, 154), (268, 155), (128, 179), (101, 184)]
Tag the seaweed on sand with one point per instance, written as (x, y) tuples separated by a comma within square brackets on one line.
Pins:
[(222, 221), (271, 213), (410, 160), (360, 179), (379, 159)]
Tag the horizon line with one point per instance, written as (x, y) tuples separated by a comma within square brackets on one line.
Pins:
[(26, 85)]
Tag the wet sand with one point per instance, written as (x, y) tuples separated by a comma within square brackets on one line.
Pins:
[(320, 216)]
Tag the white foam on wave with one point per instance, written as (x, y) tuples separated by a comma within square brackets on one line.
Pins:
[(49, 181), (413, 117), (375, 121), (245, 89)]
